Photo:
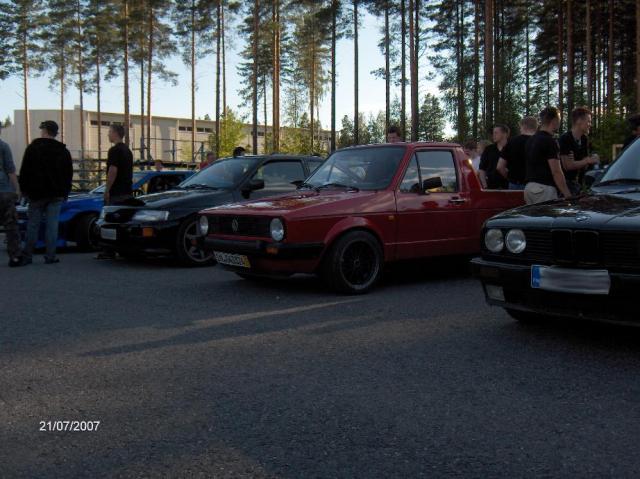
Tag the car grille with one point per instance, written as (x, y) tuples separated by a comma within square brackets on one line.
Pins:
[(621, 250), (581, 247), (122, 215), (254, 226)]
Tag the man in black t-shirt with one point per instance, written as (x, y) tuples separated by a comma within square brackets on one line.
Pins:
[(575, 151), (544, 172), (513, 163), (488, 173), (119, 168)]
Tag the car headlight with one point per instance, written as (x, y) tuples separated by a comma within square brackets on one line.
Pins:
[(516, 241), (203, 225), (151, 215), (494, 240), (277, 229)]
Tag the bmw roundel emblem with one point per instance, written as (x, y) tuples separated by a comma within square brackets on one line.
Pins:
[(582, 217), (234, 225)]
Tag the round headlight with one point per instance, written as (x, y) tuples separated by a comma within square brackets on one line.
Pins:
[(203, 225), (516, 241), (494, 240), (277, 229)]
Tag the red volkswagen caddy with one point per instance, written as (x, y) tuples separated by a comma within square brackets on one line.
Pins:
[(363, 207)]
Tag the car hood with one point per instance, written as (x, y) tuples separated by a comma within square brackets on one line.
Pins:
[(310, 203), (183, 199), (594, 211)]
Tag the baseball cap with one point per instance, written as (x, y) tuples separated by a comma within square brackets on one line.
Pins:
[(50, 126)]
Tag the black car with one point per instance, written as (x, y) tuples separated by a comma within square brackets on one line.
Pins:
[(166, 223), (577, 257)]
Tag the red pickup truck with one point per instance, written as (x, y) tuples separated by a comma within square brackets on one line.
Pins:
[(363, 207)]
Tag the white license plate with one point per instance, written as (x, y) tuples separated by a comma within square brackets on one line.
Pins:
[(232, 259), (108, 234), (567, 280)]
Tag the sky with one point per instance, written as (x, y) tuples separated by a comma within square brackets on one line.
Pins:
[(175, 101)]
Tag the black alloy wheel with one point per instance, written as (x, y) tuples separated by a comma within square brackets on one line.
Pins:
[(187, 249), (87, 233)]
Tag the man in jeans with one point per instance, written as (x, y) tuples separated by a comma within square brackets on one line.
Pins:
[(9, 192), (545, 177), (45, 180)]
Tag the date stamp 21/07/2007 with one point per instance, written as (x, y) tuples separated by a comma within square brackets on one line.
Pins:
[(69, 425)]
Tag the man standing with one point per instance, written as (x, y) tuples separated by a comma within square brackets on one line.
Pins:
[(488, 171), (574, 149), (513, 164), (45, 180), (119, 176), (210, 158), (544, 171), (634, 122), (239, 151), (394, 134), (9, 193)]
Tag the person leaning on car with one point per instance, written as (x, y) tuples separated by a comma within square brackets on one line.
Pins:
[(575, 149), (545, 177), (45, 180), (119, 169)]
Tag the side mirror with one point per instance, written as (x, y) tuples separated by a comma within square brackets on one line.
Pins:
[(432, 183), (297, 183), (254, 185)]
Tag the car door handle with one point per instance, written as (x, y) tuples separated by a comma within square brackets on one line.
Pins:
[(457, 201)]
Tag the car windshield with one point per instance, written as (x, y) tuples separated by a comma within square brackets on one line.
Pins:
[(137, 176), (626, 169), (368, 168), (225, 173)]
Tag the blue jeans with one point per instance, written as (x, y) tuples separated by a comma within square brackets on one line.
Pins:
[(516, 186), (50, 209)]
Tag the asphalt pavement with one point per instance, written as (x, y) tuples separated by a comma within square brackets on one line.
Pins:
[(197, 373)]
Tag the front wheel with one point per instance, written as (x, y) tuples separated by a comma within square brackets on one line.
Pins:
[(187, 249), (87, 233), (354, 263)]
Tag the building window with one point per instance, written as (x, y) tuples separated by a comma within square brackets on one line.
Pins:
[(185, 128)]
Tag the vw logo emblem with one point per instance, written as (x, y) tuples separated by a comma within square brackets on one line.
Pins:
[(582, 217), (234, 225)]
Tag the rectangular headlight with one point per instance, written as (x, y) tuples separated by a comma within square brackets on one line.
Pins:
[(151, 215)]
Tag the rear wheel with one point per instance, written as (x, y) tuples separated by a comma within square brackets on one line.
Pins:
[(187, 249), (87, 233), (354, 263)]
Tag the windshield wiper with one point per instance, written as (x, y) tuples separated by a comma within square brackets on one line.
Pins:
[(200, 186), (617, 181), (339, 185)]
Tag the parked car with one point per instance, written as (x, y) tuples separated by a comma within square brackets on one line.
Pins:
[(80, 212), (577, 257), (165, 223), (364, 207)]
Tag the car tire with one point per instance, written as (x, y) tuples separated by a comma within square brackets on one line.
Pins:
[(187, 253), (86, 234), (354, 264), (526, 317)]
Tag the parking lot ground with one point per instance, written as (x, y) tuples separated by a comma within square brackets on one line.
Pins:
[(197, 373)]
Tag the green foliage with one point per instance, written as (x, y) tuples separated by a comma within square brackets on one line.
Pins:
[(610, 131), (432, 119), (231, 133)]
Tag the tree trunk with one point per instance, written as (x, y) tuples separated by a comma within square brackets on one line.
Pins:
[(275, 127), (476, 69), (256, 8), (403, 75), (488, 64), (80, 80), (99, 112), (312, 94), (149, 76), (527, 71), (570, 62), (218, 58), (334, 9), (127, 119), (387, 72), (637, 55), (62, 80), (462, 120), (589, 48), (193, 79), (264, 106), (610, 62), (560, 60), (356, 114), (143, 143), (413, 66), (224, 59), (25, 87)]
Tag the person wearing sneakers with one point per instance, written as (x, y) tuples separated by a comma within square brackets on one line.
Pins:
[(45, 180)]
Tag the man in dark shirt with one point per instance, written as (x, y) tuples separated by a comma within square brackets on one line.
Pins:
[(575, 149), (634, 122), (544, 172), (488, 172), (119, 168), (513, 164)]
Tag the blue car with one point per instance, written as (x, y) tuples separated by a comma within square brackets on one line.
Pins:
[(80, 212)]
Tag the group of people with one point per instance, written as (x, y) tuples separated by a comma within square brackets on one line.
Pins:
[(535, 161)]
